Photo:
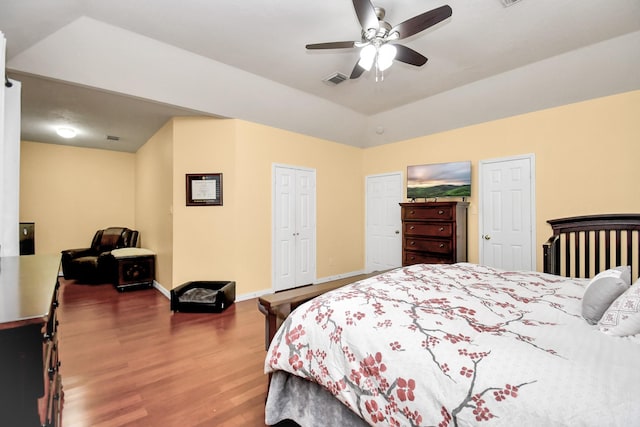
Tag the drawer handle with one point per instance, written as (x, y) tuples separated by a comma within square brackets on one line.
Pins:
[(442, 245), (441, 228), (412, 243), (440, 212), (412, 228), (53, 369), (412, 212)]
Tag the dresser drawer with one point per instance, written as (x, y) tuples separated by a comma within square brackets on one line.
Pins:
[(51, 327), (52, 384), (52, 319), (441, 247), (410, 213), (411, 258), (428, 229), (54, 406)]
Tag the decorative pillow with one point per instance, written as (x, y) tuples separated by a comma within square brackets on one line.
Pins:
[(602, 290), (622, 318)]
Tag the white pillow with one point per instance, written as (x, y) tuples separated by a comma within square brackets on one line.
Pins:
[(622, 318), (602, 290)]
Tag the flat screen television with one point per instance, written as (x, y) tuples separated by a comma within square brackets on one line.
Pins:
[(439, 180)]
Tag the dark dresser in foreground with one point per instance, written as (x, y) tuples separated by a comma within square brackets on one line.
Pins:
[(30, 384), (434, 232)]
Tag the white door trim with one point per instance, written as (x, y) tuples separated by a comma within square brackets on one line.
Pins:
[(532, 163), (369, 268)]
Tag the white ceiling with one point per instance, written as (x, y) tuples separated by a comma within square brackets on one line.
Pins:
[(47, 104), (122, 68)]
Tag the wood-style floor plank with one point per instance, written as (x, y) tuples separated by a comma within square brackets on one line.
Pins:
[(127, 360)]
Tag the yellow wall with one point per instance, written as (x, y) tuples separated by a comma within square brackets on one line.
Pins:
[(585, 154), (586, 157), (339, 201), (203, 236), (154, 199), (233, 241), (71, 192)]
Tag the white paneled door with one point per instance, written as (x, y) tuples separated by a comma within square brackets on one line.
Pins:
[(294, 227), (507, 235), (383, 230)]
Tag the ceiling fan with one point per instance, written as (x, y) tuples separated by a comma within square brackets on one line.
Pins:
[(377, 35)]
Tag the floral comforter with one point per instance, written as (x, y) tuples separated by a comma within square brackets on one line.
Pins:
[(462, 345)]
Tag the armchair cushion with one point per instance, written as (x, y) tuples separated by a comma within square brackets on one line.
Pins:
[(111, 238), (95, 264)]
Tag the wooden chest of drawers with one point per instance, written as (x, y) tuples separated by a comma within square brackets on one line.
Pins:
[(31, 387), (434, 232)]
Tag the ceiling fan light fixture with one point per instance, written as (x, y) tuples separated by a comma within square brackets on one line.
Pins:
[(66, 132), (386, 55), (367, 56)]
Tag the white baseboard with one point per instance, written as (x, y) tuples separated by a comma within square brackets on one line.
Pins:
[(316, 282), (162, 289), (251, 295), (242, 297), (258, 294), (338, 276)]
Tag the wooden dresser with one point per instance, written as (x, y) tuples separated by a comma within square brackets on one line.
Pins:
[(434, 232), (30, 385)]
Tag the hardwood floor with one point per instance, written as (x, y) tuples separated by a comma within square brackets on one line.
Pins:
[(127, 360)]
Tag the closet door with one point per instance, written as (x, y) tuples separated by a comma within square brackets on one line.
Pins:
[(383, 224), (294, 231), (507, 213)]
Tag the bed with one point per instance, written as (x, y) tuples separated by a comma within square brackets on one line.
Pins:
[(463, 344)]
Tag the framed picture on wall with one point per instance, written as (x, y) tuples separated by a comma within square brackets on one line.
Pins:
[(204, 189)]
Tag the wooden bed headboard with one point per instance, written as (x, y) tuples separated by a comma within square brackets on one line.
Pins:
[(582, 246)]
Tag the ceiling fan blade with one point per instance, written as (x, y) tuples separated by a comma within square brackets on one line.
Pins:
[(409, 56), (422, 22), (331, 45), (357, 71), (366, 14)]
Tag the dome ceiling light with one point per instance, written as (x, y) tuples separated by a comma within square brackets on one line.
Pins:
[(66, 132)]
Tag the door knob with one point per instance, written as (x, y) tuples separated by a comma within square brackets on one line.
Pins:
[(486, 237)]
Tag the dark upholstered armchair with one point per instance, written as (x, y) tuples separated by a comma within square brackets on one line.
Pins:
[(96, 264)]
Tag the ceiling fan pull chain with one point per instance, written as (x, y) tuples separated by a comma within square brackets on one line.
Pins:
[(379, 71)]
